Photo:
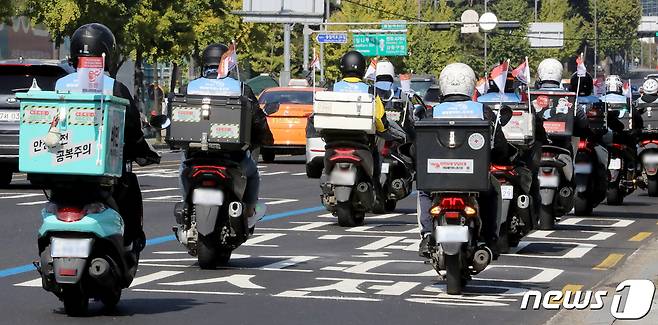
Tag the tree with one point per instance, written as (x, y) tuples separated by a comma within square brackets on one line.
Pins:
[(512, 45), (617, 25)]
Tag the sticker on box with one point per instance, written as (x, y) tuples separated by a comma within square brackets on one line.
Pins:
[(476, 141), (83, 116), (450, 166), (39, 114), (225, 131), (183, 114), (555, 127), (74, 153), (393, 116)]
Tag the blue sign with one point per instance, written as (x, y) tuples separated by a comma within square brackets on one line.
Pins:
[(332, 38)]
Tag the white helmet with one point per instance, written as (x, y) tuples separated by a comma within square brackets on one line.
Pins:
[(650, 86), (614, 84), (385, 68), (457, 79), (550, 70)]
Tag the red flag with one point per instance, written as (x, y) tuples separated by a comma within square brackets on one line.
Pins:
[(228, 61), (372, 70), (522, 72), (499, 75), (315, 63), (627, 91), (581, 70), (482, 86)]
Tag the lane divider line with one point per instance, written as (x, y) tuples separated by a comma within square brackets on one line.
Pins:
[(163, 239), (609, 262), (642, 235), (569, 287)]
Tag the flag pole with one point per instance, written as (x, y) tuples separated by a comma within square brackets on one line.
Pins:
[(237, 62), (575, 111), (527, 86)]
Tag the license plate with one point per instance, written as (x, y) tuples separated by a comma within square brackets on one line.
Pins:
[(344, 178), (615, 164), (507, 192), (385, 168), (548, 181), (451, 234), (10, 116), (583, 169), (650, 159), (208, 196), (70, 247)]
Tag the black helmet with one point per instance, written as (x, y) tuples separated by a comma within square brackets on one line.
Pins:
[(353, 64), (212, 54), (93, 40), (586, 84)]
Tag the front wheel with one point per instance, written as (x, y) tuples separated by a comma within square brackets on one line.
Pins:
[(5, 176), (653, 186), (347, 217), (614, 196), (75, 301), (546, 218), (454, 274)]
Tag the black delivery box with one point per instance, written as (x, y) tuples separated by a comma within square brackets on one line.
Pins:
[(649, 116), (218, 121), (453, 155), (557, 109)]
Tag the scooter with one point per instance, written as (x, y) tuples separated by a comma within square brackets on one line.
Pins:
[(591, 176), (622, 169), (648, 155), (213, 221), (556, 173)]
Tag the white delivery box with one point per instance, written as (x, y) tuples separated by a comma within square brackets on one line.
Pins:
[(520, 130), (344, 111)]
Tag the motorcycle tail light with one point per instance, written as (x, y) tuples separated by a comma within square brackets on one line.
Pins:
[(451, 215), (386, 149), (517, 113), (345, 154), (547, 155), (582, 144), (70, 214), (452, 203), (209, 183), (68, 272), (215, 170)]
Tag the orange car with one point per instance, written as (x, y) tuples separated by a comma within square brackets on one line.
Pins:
[(288, 124)]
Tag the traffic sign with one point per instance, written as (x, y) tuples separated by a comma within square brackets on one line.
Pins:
[(332, 38), (394, 24), (381, 44)]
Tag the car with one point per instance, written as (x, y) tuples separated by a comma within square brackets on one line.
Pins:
[(288, 123), (18, 76), (432, 96), (419, 83)]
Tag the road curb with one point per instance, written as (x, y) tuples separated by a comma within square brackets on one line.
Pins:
[(642, 264)]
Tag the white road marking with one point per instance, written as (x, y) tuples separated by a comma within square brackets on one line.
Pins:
[(33, 203), (191, 291), (618, 223), (239, 280), (256, 241), (19, 196), (36, 283), (160, 189), (153, 277), (595, 235), (273, 173), (164, 198), (577, 252), (299, 174), (279, 201)]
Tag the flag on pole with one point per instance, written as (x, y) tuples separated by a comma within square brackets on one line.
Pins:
[(315, 63), (627, 90), (522, 72), (228, 61), (499, 75), (372, 69), (581, 70), (482, 86)]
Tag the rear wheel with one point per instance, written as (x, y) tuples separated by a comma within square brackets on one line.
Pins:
[(653, 186), (223, 255), (614, 196), (546, 218), (583, 206), (111, 299), (347, 217), (504, 238), (389, 205), (454, 274), (75, 301), (5, 176), (207, 253), (268, 156)]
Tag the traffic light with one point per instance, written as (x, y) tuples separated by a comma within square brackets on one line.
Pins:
[(440, 26)]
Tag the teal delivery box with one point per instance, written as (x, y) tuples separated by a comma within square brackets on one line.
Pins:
[(71, 133)]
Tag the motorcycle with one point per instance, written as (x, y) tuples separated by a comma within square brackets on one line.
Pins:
[(82, 253), (622, 170), (648, 155), (517, 208), (591, 176), (555, 176)]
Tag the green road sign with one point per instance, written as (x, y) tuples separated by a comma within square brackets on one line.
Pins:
[(394, 24), (381, 44)]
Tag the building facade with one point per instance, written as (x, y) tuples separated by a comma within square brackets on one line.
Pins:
[(649, 7)]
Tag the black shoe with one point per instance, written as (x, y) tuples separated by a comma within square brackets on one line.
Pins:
[(424, 246)]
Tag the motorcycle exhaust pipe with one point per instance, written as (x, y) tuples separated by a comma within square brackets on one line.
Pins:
[(101, 270), (481, 258), (235, 212), (365, 195)]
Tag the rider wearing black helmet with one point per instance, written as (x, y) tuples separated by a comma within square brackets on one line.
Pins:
[(96, 40)]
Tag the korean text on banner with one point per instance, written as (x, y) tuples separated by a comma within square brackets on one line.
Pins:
[(90, 74)]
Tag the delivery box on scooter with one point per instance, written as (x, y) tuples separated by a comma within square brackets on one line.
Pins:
[(649, 116), (71, 133), (557, 109), (344, 111), (212, 122), (520, 130), (453, 155)]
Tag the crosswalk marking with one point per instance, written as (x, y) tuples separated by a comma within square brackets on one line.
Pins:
[(279, 201), (273, 173), (36, 283), (19, 196), (32, 203), (160, 189), (153, 277)]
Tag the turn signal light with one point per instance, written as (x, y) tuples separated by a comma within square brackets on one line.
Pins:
[(470, 211), (435, 211)]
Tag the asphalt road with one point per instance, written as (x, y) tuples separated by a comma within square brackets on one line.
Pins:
[(301, 268)]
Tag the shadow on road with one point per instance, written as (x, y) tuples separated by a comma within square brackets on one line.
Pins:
[(140, 306)]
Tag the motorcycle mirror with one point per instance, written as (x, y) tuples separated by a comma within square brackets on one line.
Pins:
[(159, 122), (505, 114), (271, 108), (420, 112)]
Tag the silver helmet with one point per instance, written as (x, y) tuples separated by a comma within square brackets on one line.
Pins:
[(550, 70), (457, 79)]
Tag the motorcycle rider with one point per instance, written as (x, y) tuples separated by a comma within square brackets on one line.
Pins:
[(457, 83), (614, 89), (211, 84), (387, 91), (96, 40)]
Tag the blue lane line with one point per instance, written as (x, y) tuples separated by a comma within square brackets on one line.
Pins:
[(163, 239)]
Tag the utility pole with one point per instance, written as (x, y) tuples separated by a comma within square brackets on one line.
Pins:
[(596, 38), (536, 10), (285, 74), (306, 45), (486, 68), (418, 9), (327, 8)]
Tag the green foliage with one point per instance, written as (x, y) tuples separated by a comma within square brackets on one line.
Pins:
[(510, 45), (576, 29), (617, 24)]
